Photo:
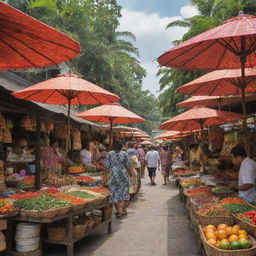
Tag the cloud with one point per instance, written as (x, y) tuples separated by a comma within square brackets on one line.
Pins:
[(152, 39), (188, 11)]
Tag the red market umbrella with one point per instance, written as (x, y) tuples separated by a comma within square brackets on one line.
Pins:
[(197, 118), (28, 43), (67, 89), (213, 101), (146, 143), (112, 114), (231, 45)]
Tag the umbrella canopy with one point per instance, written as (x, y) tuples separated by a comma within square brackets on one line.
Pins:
[(218, 48), (174, 134), (213, 101), (221, 83), (197, 117), (111, 113), (146, 142), (65, 88), (29, 43), (123, 128)]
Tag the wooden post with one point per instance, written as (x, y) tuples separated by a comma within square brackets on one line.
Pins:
[(37, 152)]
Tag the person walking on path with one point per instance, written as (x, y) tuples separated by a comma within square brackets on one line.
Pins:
[(152, 162), (165, 159), (141, 154), (120, 168)]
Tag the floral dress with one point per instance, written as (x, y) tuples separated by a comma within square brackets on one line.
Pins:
[(117, 162)]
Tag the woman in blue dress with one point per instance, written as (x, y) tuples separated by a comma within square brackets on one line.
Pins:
[(120, 168)]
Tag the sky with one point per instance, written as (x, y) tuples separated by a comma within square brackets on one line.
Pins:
[(147, 20)]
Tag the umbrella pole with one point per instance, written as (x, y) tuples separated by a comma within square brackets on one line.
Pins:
[(111, 134), (68, 138)]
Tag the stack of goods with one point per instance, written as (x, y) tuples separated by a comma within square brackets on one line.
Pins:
[(191, 182), (227, 238), (199, 191), (52, 180), (76, 169), (27, 237), (43, 205), (186, 173)]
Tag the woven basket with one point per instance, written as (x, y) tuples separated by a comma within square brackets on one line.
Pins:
[(76, 207), (2, 245), (89, 203), (79, 231), (107, 213), (214, 220), (245, 225), (97, 220), (89, 226), (57, 234), (63, 210), (213, 251), (47, 214), (99, 201)]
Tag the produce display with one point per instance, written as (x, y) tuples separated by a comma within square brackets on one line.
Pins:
[(71, 199), (231, 200), (84, 179), (91, 169), (28, 182), (238, 208), (185, 173), (200, 190), (202, 199), (42, 202), (99, 189), (26, 195), (82, 195), (55, 181), (76, 169), (213, 210), (222, 190), (6, 207), (191, 182), (249, 217), (51, 190), (227, 237)]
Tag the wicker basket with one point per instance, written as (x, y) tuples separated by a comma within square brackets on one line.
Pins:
[(78, 207), (214, 220), (107, 213), (89, 203), (89, 226), (245, 225), (99, 201), (46, 214), (63, 210), (57, 234), (213, 251), (79, 231), (2, 245)]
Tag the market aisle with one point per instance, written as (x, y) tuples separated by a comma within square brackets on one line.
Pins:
[(156, 226)]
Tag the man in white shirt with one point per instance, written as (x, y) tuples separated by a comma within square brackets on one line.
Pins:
[(152, 161), (86, 155), (247, 174)]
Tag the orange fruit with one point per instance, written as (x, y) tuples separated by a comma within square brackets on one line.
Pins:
[(218, 244), (233, 238), (242, 231), (229, 231), (243, 236), (222, 226), (208, 230), (210, 235), (211, 227), (212, 242), (237, 227), (221, 234), (234, 231)]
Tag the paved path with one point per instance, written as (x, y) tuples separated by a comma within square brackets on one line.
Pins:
[(156, 226)]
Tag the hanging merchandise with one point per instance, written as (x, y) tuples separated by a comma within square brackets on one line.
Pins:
[(26, 123), (7, 136), (49, 127), (216, 139), (9, 124), (77, 144), (2, 122), (61, 132)]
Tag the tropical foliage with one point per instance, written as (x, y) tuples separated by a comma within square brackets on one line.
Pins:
[(108, 57), (211, 14)]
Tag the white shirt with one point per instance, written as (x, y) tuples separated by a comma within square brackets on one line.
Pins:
[(86, 157), (152, 158), (247, 175)]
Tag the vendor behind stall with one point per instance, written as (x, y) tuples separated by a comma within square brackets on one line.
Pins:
[(86, 154), (196, 156), (247, 174)]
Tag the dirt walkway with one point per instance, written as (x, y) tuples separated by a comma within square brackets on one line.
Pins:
[(156, 226)]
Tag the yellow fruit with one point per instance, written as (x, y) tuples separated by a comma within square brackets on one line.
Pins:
[(233, 238), (222, 227), (211, 227), (209, 230), (210, 235), (243, 236), (237, 227), (221, 234), (229, 231), (234, 231), (242, 231), (212, 242)]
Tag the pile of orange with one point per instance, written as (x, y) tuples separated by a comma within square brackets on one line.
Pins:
[(227, 237)]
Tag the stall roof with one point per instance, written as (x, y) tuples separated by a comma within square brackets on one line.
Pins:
[(13, 83)]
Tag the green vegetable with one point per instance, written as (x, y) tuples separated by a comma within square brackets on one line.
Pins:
[(82, 195), (238, 208), (43, 202)]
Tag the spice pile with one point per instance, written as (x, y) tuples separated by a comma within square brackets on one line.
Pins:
[(191, 182), (231, 200), (222, 190), (71, 199), (82, 195), (84, 179), (238, 208), (185, 173), (213, 210), (26, 195), (201, 199), (200, 190)]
